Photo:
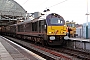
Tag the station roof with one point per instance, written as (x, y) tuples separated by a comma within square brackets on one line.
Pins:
[(10, 10), (10, 7)]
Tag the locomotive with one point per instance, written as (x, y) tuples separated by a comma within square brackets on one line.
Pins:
[(73, 28), (49, 31)]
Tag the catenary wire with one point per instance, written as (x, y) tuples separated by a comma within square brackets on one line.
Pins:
[(57, 3), (25, 2)]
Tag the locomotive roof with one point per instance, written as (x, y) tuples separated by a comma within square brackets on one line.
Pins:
[(13, 25), (29, 21)]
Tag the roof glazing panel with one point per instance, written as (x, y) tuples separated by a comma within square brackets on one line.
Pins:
[(11, 7)]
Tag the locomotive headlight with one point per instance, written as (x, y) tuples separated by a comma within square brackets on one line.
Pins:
[(50, 32), (64, 25), (52, 37)]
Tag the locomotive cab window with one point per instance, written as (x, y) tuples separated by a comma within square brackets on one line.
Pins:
[(71, 25), (56, 21)]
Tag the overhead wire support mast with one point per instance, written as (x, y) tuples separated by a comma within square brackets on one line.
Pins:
[(87, 22)]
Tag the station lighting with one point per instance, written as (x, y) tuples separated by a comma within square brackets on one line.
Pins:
[(46, 10)]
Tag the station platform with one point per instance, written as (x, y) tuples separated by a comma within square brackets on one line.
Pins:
[(79, 43), (9, 52), (80, 39)]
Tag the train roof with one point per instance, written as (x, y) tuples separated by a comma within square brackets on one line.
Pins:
[(29, 21), (12, 25)]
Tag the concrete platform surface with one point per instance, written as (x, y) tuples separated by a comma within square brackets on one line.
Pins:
[(9, 52), (80, 39)]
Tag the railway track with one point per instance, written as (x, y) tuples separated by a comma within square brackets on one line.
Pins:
[(55, 53), (74, 52)]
